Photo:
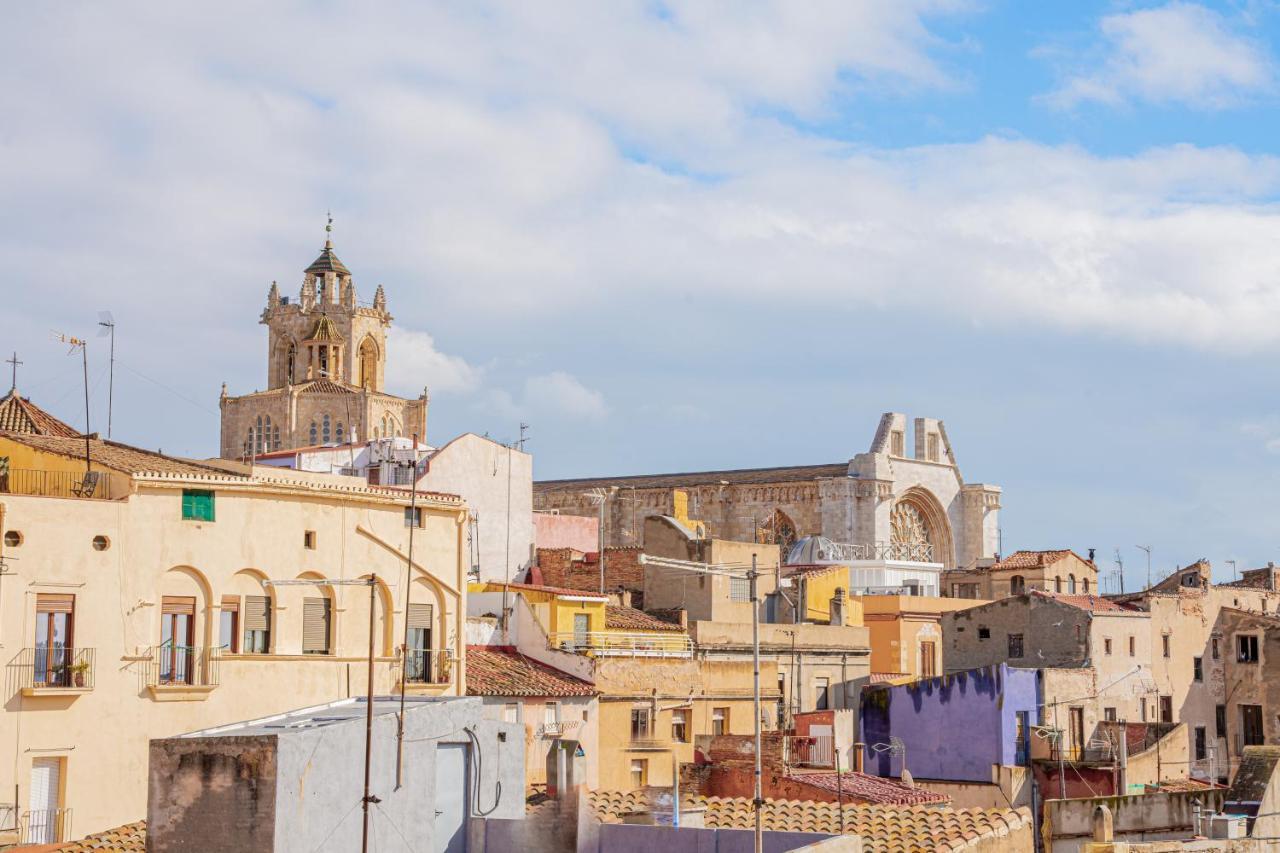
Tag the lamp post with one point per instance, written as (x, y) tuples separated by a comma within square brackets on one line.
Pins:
[(372, 583)]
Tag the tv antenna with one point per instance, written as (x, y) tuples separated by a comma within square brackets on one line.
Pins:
[(1119, 572), (1146, 548), (107, 326), (83, 346)]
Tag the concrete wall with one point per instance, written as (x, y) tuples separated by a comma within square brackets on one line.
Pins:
[(928, 715), (257, 533), (497, 484), (206, 792), (580, 720), (1053, 634), (1139, 818), (632, 838)]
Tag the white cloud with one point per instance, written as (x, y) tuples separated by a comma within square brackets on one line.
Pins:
[(559, 391), (1179, 52), (414, 362)]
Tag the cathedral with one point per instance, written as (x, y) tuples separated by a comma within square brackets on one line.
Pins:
[(904, 500), (326, 371)]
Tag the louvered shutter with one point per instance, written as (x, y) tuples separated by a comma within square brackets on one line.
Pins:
[(179, 604), (55, 603), (315, 625), (257, 613), (420, 616)]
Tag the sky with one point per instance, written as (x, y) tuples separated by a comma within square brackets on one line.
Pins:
[(676, 236)]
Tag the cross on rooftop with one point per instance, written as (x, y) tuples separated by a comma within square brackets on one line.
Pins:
[(15, 362)]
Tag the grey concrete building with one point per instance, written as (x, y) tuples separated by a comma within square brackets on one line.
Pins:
[(294, 783)]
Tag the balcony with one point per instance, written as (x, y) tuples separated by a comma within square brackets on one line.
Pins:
[(619, 644), (560, 728), (60, 671), (45, 826), (810, 750), (182, 673), (427, 668), (648, 743), (56, 484)]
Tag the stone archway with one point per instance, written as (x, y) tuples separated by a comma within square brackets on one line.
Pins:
[(919, 529)]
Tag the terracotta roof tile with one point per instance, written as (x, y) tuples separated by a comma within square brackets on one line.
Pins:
[(326, 386), (120, 457), (1086, 602), (630, 619), (870, 789), (130, 838), (21, 415), (1031, 559), (499, 671), (553, 590)]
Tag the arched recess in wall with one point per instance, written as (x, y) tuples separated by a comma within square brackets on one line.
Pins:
[(252, 637), (368, 363), (1017, 585), (355, 612), (918, 519), (185, 597), (318, 631), (780, 530)]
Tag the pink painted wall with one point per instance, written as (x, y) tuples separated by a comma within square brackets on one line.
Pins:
[(566, 531)]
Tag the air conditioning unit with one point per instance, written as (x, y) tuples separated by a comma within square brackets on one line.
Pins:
[(1223, 826)]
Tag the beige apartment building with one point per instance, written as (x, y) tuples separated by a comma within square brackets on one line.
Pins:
[(135, 604)]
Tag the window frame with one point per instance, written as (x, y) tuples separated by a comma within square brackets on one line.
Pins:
[(1017, 641), (199, 505), (1248, 649), (230, 607)]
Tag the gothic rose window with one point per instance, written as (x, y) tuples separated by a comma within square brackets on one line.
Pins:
[(780, 530), (908, 530)]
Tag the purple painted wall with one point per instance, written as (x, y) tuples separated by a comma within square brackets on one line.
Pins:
[(954, 727)]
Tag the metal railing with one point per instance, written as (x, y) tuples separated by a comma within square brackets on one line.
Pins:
[(53, 668), (614, 643), (913, 552), (56, 484), (429, 666), (810, 750), (45, 826), (178, 666)]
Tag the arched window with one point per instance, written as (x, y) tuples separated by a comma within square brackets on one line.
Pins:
[(324, 429), (264, 434), (1085, 582), (1071, 584), (290, 363), (780, 530), (338, 432), (324, 361), (275, 438), (1057, 584), (368, 364), (1017, 585), (313, 433)]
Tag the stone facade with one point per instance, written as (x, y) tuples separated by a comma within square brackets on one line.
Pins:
[(880, 499), (326, 371)]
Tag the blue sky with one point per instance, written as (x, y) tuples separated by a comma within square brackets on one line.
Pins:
[(679, 236)]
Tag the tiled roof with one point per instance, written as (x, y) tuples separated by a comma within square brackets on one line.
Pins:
[(325, 386), (130, 838), (120, 457), (884, 829), (887, 677), (870, 789), (495, 671), (328, 262), (1030, 560), (20, 415), (1094, 603), (702, 478), (813, 570), (630, 619)]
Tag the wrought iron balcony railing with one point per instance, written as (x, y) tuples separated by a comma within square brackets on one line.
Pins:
[(55, 484), (60, 667), (178, 666), (429, 666), (45, 826)]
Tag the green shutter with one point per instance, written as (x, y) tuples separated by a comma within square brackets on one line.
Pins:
[(197, 505)]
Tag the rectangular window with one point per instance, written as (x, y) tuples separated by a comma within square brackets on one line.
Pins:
[(551, 713), (984, 633), (934, 454), (197, 505), (1197, 669), (420, 659), (177, 654), (1220, 721), (309, 540), (1251, 725), (511, 712), (739, 589), (680, 725), (54, 638), (1202, 744), (1109, 714), (1247, 648), (821, 687), (256, 617), (928, 659), (44, 826), (897, 442), (229, 624), (1132, 646), (317, 616), (1216, 652), (1144, 709), (1166, 709), (1106, 646), (1015, 645), (639, 772), (1165, 641), (640, 728), (719, 721), (413, 516)]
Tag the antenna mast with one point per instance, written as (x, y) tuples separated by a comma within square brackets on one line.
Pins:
[(107, 326)]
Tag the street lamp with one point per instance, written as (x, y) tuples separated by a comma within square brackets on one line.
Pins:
[(753, 574), (372, 583)]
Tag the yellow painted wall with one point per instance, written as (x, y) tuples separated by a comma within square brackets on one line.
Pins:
[(25, 458), (899, 623), (258, 533), (556, 613), (820, 589)]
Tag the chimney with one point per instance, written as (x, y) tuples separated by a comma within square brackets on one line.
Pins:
[(858, 749), (1091, 553)]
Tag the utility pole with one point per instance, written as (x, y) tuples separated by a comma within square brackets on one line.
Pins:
[(1147, 548), (408, 592), (755, 692), (108, 324), (600, 497)]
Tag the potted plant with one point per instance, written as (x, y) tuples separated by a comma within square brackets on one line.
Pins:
[(77, 671)]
